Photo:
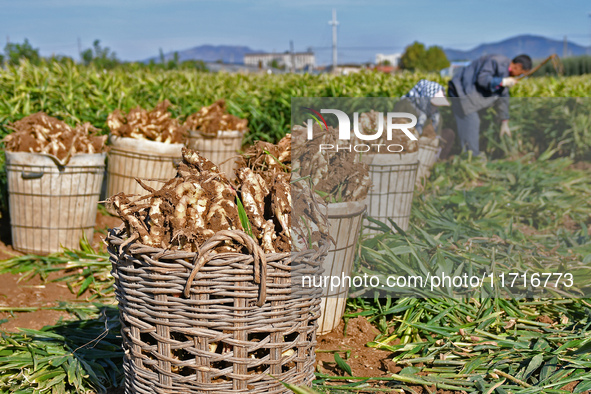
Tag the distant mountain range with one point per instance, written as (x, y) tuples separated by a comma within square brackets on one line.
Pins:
[(536, 46), (211, 53)]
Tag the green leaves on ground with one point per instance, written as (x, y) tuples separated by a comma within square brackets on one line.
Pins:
[(77, 356), (511, 213), (342, 364)]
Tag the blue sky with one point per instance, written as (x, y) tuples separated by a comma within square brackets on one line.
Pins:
[(136, 29)]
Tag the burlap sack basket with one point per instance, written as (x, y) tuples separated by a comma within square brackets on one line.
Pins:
[(221, 149), (130, 158), (344, 220), (214, 323), (52, 203), (393, 178), (428, 150)]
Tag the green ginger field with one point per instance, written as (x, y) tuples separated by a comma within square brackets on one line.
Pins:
[(529, 202)]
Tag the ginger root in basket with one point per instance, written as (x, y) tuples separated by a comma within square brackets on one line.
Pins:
[(369, 124), (298, 214), (41, 133), (337, 175), (186, 211), (156, 125), (200, 201), (209, 120)]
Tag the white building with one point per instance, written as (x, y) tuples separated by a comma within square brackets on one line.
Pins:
[(264, 60), (393, 59)]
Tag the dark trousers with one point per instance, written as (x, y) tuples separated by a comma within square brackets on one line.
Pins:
[(469, 131), (468, 125)]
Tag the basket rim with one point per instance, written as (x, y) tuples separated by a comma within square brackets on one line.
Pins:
[(429, 147), (219, 134), (200, 258), (90, 160)]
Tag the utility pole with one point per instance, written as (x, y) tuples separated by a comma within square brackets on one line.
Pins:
[(565, 48), (334, 24), (292, 55), (588, 48)]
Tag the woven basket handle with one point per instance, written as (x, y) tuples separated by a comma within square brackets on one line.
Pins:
[(32, 175), (260, 262)]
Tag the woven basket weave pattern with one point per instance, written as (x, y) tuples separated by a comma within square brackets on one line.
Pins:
[(216, 340)]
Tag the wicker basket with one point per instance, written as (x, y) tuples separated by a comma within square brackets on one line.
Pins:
[(393, 178), (344, 221), (200, 323), (52, 205), (220, 149), (130, 158)]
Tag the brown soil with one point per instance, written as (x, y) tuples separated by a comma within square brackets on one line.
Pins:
[(364, 361), (544, 319), (582, 165), (370, 362), (528, 231), (569, 224), (31, 293), (565, 222), (570, 387), (17, 293)]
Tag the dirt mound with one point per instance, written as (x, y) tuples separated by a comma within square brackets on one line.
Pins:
[(363, 360), (41, 133)]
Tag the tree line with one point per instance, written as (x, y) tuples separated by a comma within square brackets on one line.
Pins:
[(416, 57), (98, 56)]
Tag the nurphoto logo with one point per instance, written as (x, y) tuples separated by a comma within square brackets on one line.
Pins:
[(392, 120)]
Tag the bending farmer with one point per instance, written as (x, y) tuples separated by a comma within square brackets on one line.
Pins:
[(423, 101), (483, 83)]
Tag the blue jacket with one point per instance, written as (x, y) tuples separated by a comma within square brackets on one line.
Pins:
[(478, 85)]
